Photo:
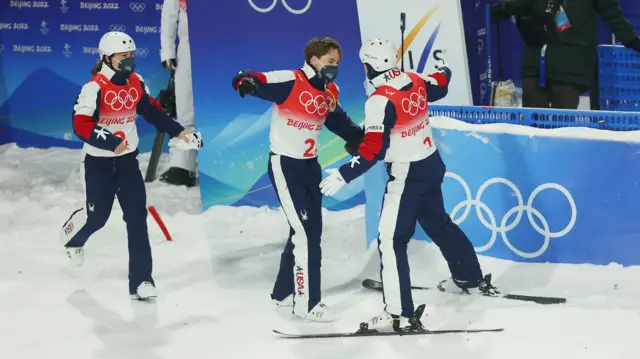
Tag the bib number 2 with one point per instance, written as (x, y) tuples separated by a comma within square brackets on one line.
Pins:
[(123, 137), (311, 148)]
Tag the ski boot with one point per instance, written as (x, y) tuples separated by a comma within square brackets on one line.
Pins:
[(458, 287), (394, 323)]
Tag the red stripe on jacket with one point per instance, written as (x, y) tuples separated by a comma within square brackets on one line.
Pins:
[(371, 146), (83, 125)]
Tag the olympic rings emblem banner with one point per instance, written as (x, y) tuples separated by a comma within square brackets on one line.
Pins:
[(535, 195)]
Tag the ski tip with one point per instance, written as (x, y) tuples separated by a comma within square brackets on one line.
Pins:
[(289, 335), (535, 299), (371, 284), (280, 334)]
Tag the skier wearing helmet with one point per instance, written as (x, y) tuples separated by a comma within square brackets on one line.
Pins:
[(104, 118), (397, 131)]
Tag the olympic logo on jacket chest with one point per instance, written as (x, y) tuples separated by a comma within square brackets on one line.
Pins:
[(416, 102), (316, 105), (123, 99)]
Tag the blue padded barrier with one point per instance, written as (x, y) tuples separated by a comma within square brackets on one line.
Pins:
[(579, 191), (541, 118)]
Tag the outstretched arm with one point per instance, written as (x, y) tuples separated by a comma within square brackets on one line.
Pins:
[(437, 84), (273, 86), (341, 124), (380, 117), (153, 113)]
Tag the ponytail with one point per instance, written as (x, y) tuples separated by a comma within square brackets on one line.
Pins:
[(97, 67)]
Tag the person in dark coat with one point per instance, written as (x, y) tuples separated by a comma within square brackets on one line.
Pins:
[(560, 54)]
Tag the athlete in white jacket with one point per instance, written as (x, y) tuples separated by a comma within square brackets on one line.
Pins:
[(182, 164), (104, 118)]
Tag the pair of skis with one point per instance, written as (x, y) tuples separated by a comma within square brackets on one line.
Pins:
[(419, 329), (377, 286), (415, 328)]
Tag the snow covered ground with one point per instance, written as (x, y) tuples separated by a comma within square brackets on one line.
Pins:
[(214, 282)]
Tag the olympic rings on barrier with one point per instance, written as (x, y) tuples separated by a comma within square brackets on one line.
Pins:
[(518, 210)]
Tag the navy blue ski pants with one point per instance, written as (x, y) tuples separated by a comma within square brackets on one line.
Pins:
[(297, 184), (414, 194), (106, 178)]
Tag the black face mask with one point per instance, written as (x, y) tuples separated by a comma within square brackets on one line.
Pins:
[(127, 66), (329, 73)]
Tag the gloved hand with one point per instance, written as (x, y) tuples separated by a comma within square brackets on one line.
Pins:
[(332, 184), (246, 87), (446, 71), (189, 141), (634, 44), (352, 146), (170, 64), (243, 83)]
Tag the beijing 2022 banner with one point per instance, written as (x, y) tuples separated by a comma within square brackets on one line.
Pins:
[(537, 195), (266, 35), (47, 51)]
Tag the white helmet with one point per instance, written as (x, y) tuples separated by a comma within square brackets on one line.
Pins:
[(379, 53), (115, 42)]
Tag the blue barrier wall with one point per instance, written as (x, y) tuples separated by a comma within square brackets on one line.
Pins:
[(563, 192), (542, 118)]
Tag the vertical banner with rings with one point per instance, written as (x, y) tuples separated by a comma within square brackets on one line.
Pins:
[(539, 197), (53, 44)]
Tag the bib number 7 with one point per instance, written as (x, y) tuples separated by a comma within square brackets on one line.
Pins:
[(427, 141)]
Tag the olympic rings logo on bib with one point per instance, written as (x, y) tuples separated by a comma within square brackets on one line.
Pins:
[(121, 99), (417, 101), (319, 105)]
